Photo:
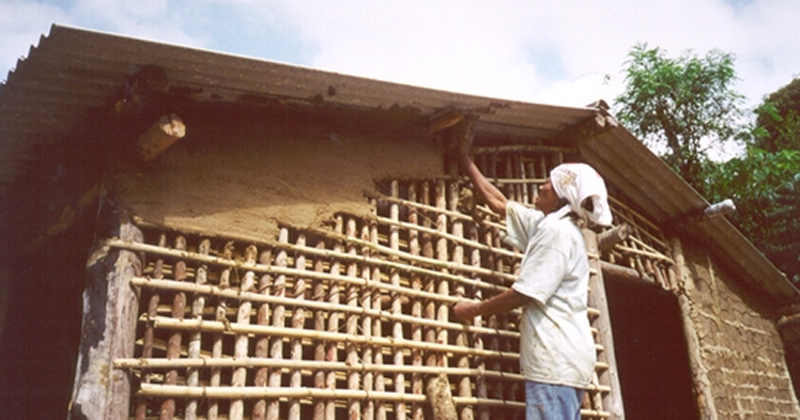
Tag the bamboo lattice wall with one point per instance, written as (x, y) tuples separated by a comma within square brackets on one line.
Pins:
[(350, 322)]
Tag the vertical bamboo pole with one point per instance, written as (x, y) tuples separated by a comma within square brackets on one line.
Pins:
[(417, 412), (318, 294), (149, 331), (377, 328), (531, 171), (492, 238), (278, 320), (430, 283), (351, 350), (242, 341), (464, 385), (298, 321), (174, 342), (332, 350), (443, 286), (195, 340), (397, 309), (368, 379), (221, 315), (262, 344), (480, 381), (523, 187), (511, 188)]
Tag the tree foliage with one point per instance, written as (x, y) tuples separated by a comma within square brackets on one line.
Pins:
[(777, 122), (685, 105), (682, 105)]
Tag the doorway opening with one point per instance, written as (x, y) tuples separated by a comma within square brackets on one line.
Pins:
[(651, 351)]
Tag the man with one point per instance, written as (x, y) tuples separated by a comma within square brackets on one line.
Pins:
[(557, 354)]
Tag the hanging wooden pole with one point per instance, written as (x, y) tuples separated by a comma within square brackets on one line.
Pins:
[(160, 136)]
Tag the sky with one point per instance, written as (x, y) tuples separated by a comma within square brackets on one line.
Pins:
[(563, 52)]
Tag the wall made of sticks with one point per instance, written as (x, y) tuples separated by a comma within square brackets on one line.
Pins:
[(346, 322)]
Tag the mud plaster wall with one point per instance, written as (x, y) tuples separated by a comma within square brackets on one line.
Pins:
[(244, 176), (740, 345)]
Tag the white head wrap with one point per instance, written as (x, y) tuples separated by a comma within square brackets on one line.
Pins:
[(575, 182)]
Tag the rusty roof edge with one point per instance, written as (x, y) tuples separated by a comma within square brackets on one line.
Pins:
[(737, 250)]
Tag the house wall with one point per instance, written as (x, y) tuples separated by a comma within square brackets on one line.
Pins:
[(243, 174), (739, 344)]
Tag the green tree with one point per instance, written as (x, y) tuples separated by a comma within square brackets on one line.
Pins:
[(765, 181), (777, 121), (681, 106)]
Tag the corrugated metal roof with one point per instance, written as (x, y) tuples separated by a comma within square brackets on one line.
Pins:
[(73, 71)]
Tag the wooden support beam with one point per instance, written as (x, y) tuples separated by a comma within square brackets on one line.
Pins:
[(107, 333), (161, 135)]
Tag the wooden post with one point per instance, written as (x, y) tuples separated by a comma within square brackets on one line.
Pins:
[(612, 403), (702, 385), (108, 332)]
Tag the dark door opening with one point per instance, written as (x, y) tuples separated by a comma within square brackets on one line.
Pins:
[(651, 351)]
